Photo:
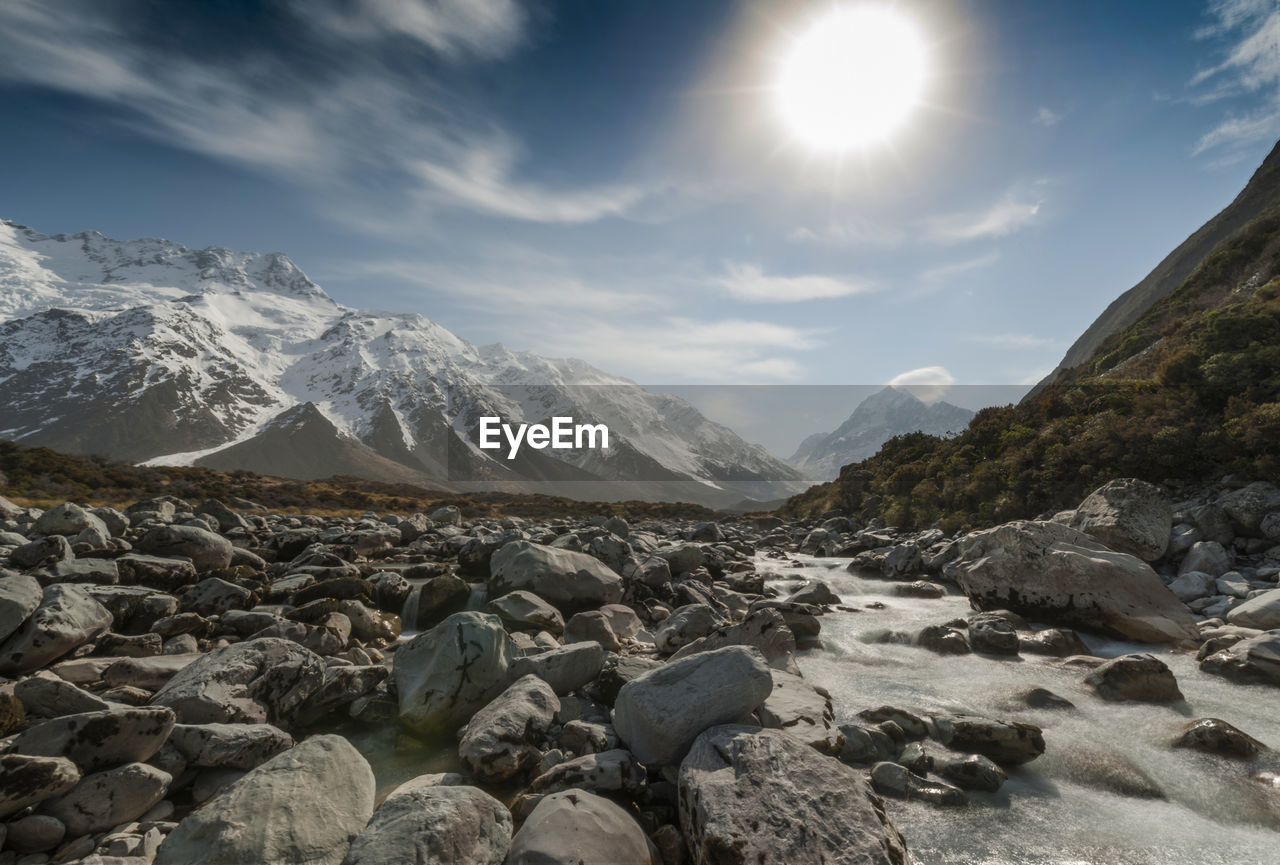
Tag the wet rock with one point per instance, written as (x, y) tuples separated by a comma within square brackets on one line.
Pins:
[(445, 675), (1129, 516), (974, 772), (324, 784), (893, 779), (919, 589), (864, 745), (1103, 769), (26, 780), (1007, 743), (1043, 698), (1142, 678), (1054, 573), (109, 798), (814, 592), (249, 683), (498, 742), (912, 726), (98, 740), (1251, 660), (565, 669), (1055, 642), (759, 796), (441, 825), (575, 827), (1215, 736), (206, 550), (992, 635), (661, 712), (66, 618), (943, 639)]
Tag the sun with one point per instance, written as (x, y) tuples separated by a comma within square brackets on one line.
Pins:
[(851, 78)]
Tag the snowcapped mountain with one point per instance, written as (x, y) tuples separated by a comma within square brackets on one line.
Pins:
[(152, 352), (878, 418)]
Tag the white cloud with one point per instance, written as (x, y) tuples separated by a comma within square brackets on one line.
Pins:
[(329, 116), (1249, 64), (943, 272), (1047, 117), (849, 233), (749, 282), (928, 383), (1014, 211)]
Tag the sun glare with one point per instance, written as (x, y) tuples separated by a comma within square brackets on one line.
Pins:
[(851, 78)]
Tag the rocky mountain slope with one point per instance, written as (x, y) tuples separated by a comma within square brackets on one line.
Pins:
[(881, 416), (1187, 392), (1260, 196), (150, 351)]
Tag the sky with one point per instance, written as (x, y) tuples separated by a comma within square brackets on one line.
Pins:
[(615, 179)]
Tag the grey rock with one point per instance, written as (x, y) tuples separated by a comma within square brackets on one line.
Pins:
[(1007, 743), (440, 825), (26, 780), (206, 550), (571, 581), (109, 798), (1129, 516), (974, 772), (764, 629), (575, 827), (1208, 557), (497, 743), (99, 740), (1262, 611), (45, 551), (19, 596), (1142, 678), (66, 618), (611, 772), (565, 669), (229, 746)]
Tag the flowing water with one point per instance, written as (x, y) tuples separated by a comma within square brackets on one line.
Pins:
[(1058, 809)]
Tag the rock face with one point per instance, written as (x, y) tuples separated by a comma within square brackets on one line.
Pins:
[(497, 742), (441, 825), (244, 683), (66, 618), (569, 580), (1048, 571), (323, 784), (660, 713), (1129, 516), (760, 797), (575, 827), (445, 675), (1142, 678)]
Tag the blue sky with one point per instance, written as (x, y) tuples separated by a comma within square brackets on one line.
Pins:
[(608, 179)]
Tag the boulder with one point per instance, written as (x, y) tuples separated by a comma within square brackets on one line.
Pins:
[(26, 780), (1048, 571), (575, 827), (1143, 678), (661, 712), (1129, 516), (592, 626), (1007, 743), (206, 550), (992, 635), (1193, 585), (109, 798), (759, 797), (435, 600), (1249, 505), (565, 669), (445, 675), (1262, 611), (896, 780), (324, 786), (1251, 660), (244, 683), (66, 618), (99, 740), (20, 594), (523, 610), (686, 624), (441, 825), (151, 673), (497, 743), (68, 520), (801, 710), (764, 629), (214, 596), (1215, 736), (974, 772), (1206, 557), (613, 771), (44, 695), (571, 581), (229, 746)]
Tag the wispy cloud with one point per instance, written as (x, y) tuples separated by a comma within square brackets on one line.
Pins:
[(1249, 64), (952, 269), (1014, 340), (1047, 117), (928, 383), (849, 233), (1014, 211), (338, 114), (749, 282)]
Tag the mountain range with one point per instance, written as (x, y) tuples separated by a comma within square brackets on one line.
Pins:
[(888, 412), (152, 352)]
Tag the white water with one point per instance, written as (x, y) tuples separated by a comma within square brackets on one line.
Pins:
[(1214, 815)]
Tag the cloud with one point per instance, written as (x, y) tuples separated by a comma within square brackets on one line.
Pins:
[(849, 233), (928, 383), (1249, 65), (339, 113), (943, 272), (1047, 117), (749, 283), (1014, 340), (1014, 211)]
